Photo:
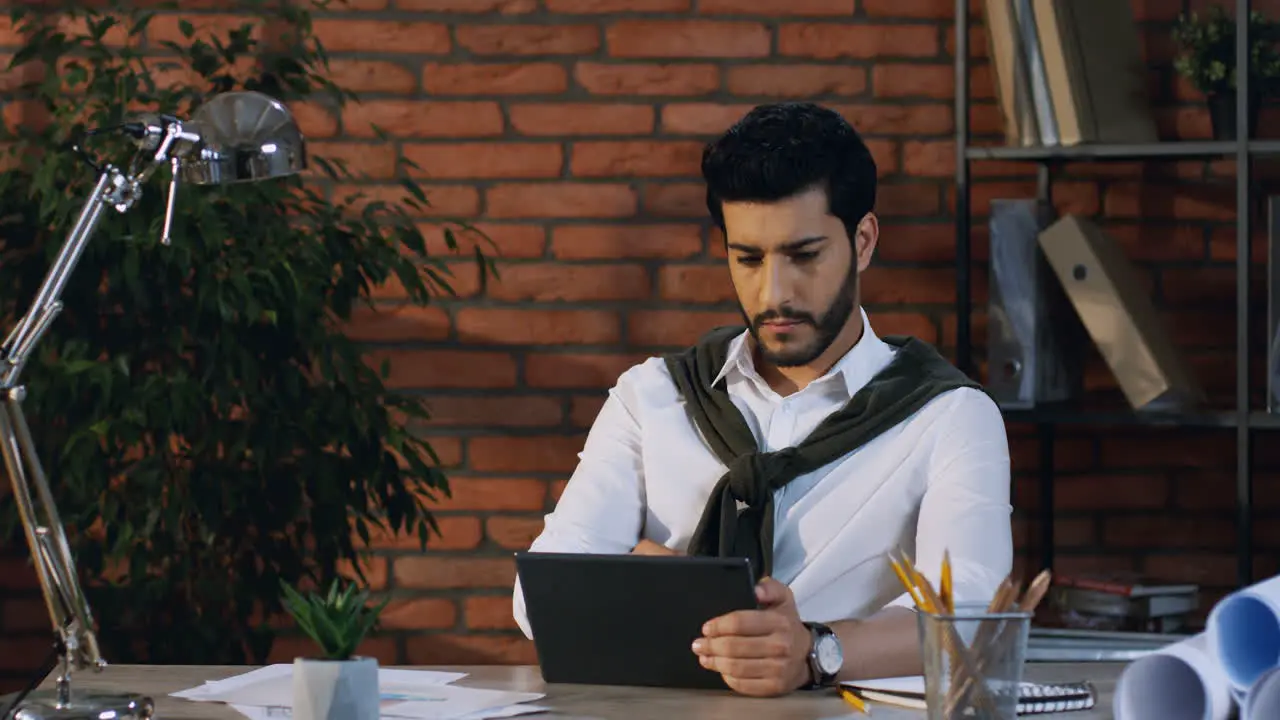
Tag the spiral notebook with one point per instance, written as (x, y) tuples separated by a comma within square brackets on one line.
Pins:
[(1035, 698)]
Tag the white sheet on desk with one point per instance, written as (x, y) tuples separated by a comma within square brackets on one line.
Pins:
[(274, 682), (254, 712)]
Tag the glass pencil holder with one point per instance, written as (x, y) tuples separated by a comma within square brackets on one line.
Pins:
[(973, 661)]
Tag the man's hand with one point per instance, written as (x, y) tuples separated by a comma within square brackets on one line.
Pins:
[(649, 547), (759, 652)]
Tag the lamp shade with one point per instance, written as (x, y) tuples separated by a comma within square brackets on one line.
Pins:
[(244, 136)]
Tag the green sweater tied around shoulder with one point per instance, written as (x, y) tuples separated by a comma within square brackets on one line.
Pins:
[(917, 374)]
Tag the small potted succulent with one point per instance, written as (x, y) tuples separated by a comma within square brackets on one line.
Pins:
[(338, 684), (1207, 58)]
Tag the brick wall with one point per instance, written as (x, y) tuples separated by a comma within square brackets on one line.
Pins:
[(570, 131)]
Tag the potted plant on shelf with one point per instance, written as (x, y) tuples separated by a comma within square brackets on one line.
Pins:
[(1207, 57), (337, 685)]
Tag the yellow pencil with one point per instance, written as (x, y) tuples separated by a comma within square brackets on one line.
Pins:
[(854, 700), (948, 599), (910, 586)]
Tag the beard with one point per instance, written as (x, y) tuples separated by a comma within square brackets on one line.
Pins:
[(825, 327)]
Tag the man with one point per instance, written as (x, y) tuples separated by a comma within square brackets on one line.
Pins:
[(838, 446)]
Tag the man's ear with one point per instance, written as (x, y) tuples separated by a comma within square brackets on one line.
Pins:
[(865, 239)]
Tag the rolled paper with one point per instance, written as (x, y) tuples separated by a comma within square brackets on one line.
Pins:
[(1244, 633), (1263, 699), (1182, 681)]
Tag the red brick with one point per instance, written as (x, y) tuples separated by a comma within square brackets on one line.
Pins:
[(687, 38), (494, 411), (495, 78), (438, 573), (635, 158), (446, 368), (560, 199), (1167, 531), (493, 495), (700, 118), (529, 39), (893, 285), (421, 119), (451, 161), (583, 410), (1149, 200), (595, 242), (858, 41), (560, 119), (796, 80), (548, 453), (420, 613), (454, 532), (671, 200), (577, 370), (914, 200), (447, 200), (929, 158), (364, 76), (391, 36), (612, 6), (375, 161), (914, 80), (918, 9), (536, 327), (834, 8), (646, 79), (674, 328), (489, 612), (555, 282), (513, 533), (395, 322), (476, 7), (499, 240), (696, 283)]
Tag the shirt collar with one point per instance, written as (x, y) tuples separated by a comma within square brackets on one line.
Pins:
[(866, 358)]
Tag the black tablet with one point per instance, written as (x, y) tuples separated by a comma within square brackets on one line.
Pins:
[(628, 619)]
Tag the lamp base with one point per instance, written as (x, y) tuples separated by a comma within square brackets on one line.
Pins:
[(86, 704)]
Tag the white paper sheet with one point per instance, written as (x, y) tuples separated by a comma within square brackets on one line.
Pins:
[(1244, 632), (1182, 680), (282, 674), (254, 712)]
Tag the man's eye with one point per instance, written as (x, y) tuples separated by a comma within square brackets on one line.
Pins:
[(748, 260), (804, 256)]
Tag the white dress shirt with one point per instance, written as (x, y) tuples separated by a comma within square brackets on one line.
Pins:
[(937, 481)]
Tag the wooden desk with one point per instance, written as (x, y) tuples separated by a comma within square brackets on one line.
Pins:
[(584, 702)]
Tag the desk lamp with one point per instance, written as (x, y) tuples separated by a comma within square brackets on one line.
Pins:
[(233, 137)]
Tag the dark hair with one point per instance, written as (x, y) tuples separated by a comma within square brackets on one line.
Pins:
[(781, 149)]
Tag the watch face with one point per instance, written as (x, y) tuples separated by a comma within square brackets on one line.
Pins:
[(829, 655)]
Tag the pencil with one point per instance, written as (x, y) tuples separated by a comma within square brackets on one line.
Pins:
[(948, 599), (854, 700), (910, 586)]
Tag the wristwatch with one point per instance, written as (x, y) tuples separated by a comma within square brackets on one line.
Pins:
[(825, 655)]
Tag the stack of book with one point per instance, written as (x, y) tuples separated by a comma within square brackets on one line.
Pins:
[(1122, 603), (1069, 72)]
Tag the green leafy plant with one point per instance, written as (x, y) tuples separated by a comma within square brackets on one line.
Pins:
[(337, 621), (210, 429), (1207, 51)]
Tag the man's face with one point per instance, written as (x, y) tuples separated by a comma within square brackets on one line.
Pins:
[(795, 272)]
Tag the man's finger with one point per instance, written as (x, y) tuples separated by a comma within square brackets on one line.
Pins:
[(743, 622), (737, 646), (770, 686), (770, 592), (746, 668)]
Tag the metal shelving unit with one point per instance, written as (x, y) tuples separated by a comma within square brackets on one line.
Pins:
[(1243, 418)]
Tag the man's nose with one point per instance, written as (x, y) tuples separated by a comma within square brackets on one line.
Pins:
[(775, 287)]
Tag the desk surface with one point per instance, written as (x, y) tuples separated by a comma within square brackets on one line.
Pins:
[(585, 702)]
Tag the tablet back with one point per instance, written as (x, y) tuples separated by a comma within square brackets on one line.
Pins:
[(628, 619)]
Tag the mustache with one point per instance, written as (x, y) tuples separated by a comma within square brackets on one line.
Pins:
[(783, 314)]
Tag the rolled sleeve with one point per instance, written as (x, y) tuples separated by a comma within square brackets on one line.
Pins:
[(965, 510)]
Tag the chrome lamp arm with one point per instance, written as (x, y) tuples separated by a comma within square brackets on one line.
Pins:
[(234, 137)]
